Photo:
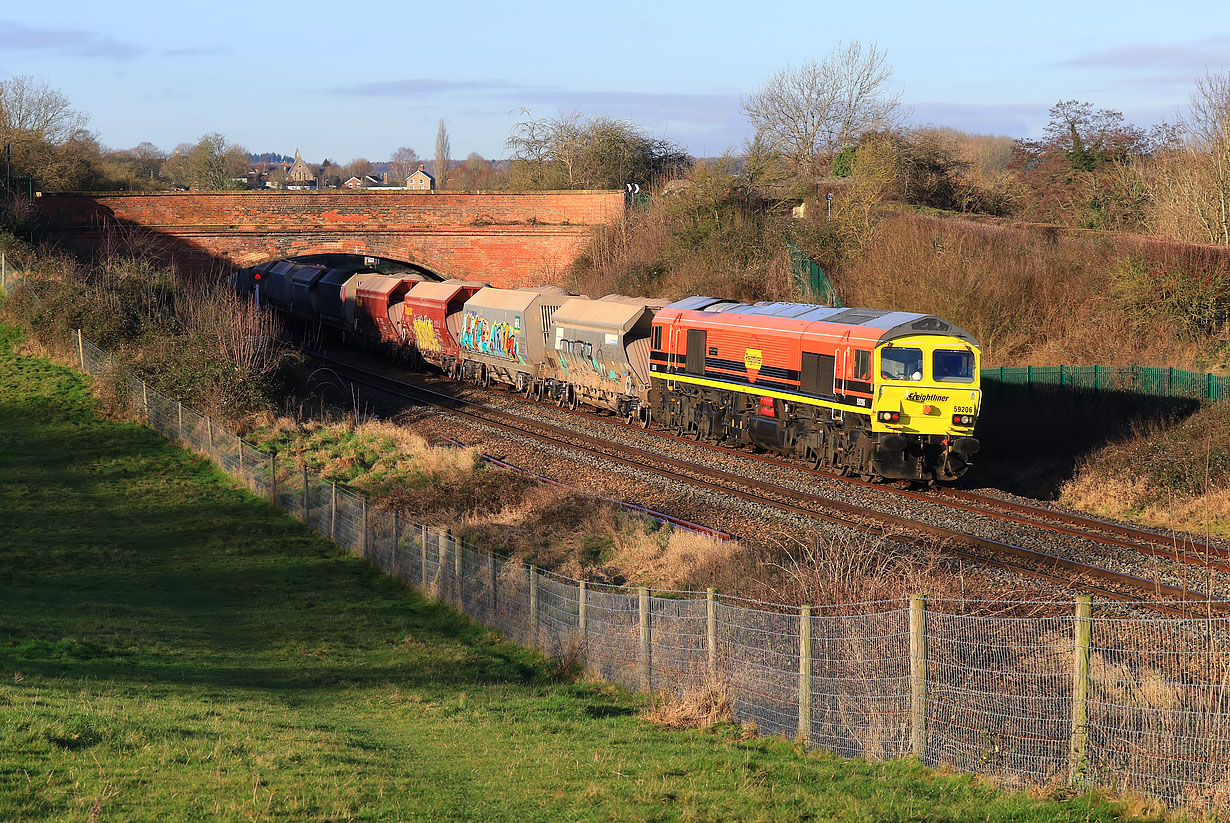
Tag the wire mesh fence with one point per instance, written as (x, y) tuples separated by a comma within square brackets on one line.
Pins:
[(1093, 699)]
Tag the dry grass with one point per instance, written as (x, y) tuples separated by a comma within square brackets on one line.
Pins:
[(700, 705)]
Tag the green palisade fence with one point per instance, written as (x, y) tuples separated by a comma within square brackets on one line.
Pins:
[(1129, 379)]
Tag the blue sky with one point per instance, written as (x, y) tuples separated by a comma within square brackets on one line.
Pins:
[(359, 79)]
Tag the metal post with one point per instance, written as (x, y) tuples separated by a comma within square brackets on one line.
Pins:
[(1078, 758), (80, 352), (711, 629), (305, 494), (333, 512), (646, 639), (533, 579), (805, 651), (918, 675)]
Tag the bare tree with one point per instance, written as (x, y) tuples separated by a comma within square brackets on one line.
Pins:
[(820, 108), (1208, 124), (443, 151), (49, 137), (403, 164), (216, 163), (359, 167)]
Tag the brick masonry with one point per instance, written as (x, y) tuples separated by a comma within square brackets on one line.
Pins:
[(503, 238)]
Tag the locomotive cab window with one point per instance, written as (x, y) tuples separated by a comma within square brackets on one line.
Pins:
[(901, 363), (657, 338), (862, 365), (953, 366)]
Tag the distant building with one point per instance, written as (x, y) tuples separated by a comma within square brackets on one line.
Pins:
[(352, 183), (300, 175), (420, 181)]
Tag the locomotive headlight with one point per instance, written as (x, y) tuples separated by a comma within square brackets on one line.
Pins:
[(890, 417), (963, 420)]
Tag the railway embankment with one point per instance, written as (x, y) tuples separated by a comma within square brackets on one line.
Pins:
[(174, 647)]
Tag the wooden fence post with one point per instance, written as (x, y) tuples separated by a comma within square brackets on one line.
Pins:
[(423, 564), (305, 494), (333, 512), (582, 590), (273, 475), (145, 400), (1078, 758), (442, 583), (364, 543), (646, 639), (397, 553), (918, 675), (711, 629), (458, 565), (179, 412), (80, 352), (805, 652), (491, 579), (242, 476), (209, 428), (533, 581)]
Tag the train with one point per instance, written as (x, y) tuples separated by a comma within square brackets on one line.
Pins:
[(877, 394)]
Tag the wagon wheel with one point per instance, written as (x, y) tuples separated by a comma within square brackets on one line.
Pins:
[(645, 415), (574, 402)]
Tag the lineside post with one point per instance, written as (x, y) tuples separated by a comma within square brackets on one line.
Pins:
[(396, 560), (642, 596), (1082, 631), (179, 420), (145, 401), (711, 629), (80, 352), (423, 565), (805, 651), (458, 549), (918, 675), (273, 474), (305, 494), (209, 429), (491, 579), (363, 544), (333, 511), (533, 582), (442, 582)]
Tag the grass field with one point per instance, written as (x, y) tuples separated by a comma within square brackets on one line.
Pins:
[(172, 648)]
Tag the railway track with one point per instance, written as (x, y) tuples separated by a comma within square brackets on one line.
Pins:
[(1066, 573)]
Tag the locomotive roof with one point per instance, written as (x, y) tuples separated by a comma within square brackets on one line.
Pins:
[(893, 324)]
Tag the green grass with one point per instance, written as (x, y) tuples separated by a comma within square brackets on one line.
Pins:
[(172, 648)]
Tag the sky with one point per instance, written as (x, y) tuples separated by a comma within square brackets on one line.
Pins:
[(360, 79)]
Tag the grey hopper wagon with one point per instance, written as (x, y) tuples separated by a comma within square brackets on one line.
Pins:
[(503, 333), (600, 348)]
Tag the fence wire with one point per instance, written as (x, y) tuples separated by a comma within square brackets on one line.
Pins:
[(993, 695)]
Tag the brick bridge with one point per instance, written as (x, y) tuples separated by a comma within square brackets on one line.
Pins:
[(504, 238)]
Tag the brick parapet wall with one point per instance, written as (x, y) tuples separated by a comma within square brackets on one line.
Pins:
[(501, 237)]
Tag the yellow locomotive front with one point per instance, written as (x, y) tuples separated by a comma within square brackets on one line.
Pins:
[(927, 399)]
